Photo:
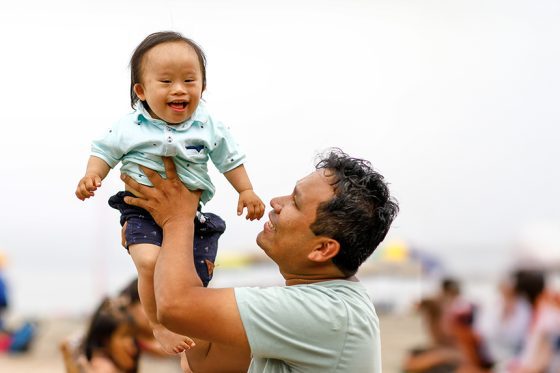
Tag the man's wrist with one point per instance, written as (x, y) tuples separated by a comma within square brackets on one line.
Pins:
[(178, 224)]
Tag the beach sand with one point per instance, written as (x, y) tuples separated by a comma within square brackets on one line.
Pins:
[(399, 333)]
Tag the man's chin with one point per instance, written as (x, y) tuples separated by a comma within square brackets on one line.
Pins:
[(261, 242), (259, 239)]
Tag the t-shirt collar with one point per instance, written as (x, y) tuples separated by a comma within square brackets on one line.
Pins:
[(200, 116)]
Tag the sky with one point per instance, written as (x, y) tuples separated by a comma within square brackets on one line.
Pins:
[(454, 102)]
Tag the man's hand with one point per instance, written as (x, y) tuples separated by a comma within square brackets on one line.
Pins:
[(168, 200), (255, 207), (87, 186)]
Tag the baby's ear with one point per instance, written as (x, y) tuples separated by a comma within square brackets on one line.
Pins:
[(139, 90)]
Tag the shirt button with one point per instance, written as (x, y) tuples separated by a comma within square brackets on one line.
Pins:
[(169, 139)]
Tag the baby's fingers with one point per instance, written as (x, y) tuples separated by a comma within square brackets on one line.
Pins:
[(250, 211), (93, 183), (240, 205), (259, 211), (81, 191), (80, 194)]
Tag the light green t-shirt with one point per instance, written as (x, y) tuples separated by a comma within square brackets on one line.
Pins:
[(328, 326)]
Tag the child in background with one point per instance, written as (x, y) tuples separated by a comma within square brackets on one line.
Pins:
[(109, 344), (168, 77)]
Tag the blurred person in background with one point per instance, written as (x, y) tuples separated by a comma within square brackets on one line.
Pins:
[(108, 346), (541, 350), (142, 330), (509, 327), (108, 338), (147, 343), (454, 344), (3, 292), (12, 340)]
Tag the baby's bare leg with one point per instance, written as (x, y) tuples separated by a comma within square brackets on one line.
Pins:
[(144, 257)]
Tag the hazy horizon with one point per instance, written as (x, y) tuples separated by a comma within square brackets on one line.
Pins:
[(455, 102)]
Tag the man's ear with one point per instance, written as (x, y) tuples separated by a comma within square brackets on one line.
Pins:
[(139, 90), (326, 249)]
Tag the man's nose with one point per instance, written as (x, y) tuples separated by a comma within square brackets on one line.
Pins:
[(277, 203), (274, 204)]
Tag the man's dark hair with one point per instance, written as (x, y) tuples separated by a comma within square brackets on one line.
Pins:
[(148, 43), (360, 213)]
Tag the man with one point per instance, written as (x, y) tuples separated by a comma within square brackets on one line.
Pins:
[(323, 319)]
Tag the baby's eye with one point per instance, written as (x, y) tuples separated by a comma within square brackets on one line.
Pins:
[(189, 80), (165, 81)]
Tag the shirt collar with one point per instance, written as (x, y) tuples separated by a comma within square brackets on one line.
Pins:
[(200, 116)]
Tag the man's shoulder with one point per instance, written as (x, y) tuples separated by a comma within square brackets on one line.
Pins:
[(335, 291)]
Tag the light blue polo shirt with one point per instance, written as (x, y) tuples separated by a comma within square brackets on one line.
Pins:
[(323, 327), (139, 139)]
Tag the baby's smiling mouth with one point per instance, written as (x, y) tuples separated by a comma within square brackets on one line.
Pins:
[(178, 105)]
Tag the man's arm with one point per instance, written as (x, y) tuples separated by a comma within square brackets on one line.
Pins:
[(184, 306), (217, 358)]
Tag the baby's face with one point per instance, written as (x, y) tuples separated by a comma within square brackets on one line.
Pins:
[(171, 81)]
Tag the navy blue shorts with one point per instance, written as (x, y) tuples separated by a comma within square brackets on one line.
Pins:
[(142, 228)]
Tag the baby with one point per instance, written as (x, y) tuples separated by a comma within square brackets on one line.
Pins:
[(168, 77)]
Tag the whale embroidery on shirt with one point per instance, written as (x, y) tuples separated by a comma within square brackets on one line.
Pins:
[(198, 148)]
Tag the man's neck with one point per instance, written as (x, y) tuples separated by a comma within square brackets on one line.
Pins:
[(290, 281)]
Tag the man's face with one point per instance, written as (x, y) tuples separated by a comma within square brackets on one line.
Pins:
[(287, 238)]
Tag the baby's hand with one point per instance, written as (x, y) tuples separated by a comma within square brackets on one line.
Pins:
[(255, 207), (87, 186)]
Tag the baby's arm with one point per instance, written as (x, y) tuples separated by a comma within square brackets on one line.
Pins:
[(239, 179), (96, 171)]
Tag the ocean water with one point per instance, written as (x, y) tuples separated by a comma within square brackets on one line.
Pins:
[(44, 291)]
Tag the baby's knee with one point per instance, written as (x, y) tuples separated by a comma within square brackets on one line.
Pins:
[(144, 257)]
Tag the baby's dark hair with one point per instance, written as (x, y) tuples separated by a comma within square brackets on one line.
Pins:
[(148, 43), (360, 213)]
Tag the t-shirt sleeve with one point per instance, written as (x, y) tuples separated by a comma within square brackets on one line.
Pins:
[(291, 324), (108, 146), (225, 153)]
